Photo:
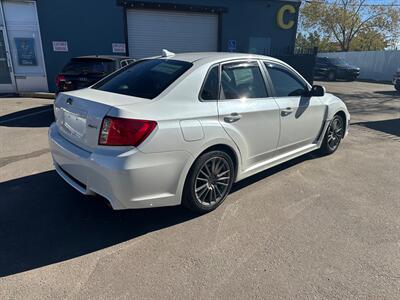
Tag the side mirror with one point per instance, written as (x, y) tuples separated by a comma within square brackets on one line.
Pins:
[(317, 91)]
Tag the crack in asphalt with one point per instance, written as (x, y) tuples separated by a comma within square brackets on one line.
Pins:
[(10, 159)]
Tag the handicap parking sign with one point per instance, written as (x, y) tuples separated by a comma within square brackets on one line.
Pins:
[(232, 45)]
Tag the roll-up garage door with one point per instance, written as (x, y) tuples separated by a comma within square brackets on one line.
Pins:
[(150, 31)]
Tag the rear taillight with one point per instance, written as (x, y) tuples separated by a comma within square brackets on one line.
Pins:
[(59, 79), (125, 132)]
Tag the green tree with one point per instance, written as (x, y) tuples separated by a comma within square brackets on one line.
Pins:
[(369, 40), (314, 39), (348, 21)]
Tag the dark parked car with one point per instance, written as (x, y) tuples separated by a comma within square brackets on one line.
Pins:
[(84, 71), (396, 80), (331, 68)]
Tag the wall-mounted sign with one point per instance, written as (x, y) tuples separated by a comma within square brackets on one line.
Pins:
[(119, 48), (60, 46), (280, 17), (232, 45), (26, 51)]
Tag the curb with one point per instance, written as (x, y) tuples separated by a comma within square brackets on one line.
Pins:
[(38, 95)]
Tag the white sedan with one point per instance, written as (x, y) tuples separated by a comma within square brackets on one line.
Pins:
[(182, 128)]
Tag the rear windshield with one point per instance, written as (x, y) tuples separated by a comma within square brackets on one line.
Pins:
[(144, 79), (91, 66)]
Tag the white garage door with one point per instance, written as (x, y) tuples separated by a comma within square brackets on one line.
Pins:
[(150, 31)]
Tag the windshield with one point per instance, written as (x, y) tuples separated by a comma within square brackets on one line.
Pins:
[(338, 62), (78, 67), (144, 79)]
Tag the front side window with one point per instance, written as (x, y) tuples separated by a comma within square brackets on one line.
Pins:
[(285, 83), (242, 80), (144, 79), (211, 85)]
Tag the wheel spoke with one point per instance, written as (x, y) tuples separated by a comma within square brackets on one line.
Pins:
[(213, 166), (218, 167), (215, 195), (223, 178), (204, 174), (217, 189), (335, 124), (203, 194), (201, 187), (210, 196), (208, 170), (202, 179), (223, 173)]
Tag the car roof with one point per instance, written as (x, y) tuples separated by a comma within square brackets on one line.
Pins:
[(327, 57), (214, 57), (105, 57)]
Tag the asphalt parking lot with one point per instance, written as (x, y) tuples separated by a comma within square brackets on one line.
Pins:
[(316, 227)]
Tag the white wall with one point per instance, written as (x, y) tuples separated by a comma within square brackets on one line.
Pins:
[(374, 65)]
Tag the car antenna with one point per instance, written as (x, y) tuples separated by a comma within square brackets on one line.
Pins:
[(166, 53)]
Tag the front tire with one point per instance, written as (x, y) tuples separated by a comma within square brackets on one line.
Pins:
[(209, 182), (333, 136)]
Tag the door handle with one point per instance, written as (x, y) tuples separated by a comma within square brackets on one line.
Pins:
[(287, 111), (234, 117)]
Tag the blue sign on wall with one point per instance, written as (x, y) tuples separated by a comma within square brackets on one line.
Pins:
[(26, 51), (232, 45)]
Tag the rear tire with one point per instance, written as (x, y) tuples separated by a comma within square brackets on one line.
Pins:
[(209, 182), (397, 87), (333, 136), (331, 76)]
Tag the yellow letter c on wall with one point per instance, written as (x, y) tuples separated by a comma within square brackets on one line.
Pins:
[(281, 12)]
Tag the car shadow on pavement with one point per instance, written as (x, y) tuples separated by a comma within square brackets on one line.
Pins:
[(44, 221), (389, 93), (387, 126), (41, 116)]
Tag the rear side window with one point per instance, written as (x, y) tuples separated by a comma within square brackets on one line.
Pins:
[(242, 80), (322, 62), (90, 66), (285, 83), (211, 85), (144, 79)]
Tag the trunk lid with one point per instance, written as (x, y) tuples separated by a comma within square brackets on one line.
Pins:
[(79, 114)]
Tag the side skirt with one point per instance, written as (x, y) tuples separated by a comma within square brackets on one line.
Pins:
[(276, 161)]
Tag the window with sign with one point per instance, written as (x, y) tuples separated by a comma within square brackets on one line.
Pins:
[(242, 80)]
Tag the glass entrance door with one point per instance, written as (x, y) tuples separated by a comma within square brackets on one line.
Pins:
[(7, 81)]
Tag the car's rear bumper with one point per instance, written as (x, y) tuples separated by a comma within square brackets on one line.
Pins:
[(129, 180)]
